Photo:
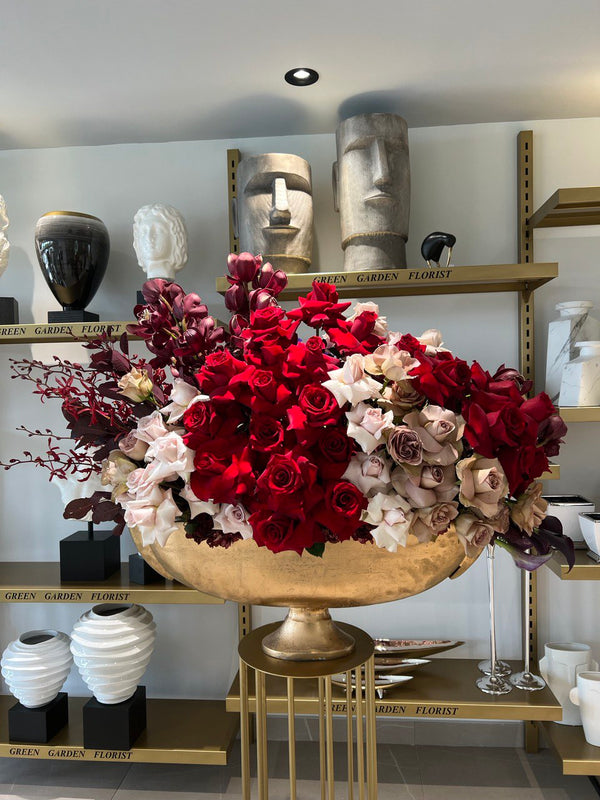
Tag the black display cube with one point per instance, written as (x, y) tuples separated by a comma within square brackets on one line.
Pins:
[(38, 725), (142, 573), (9, 311), (72, 315), (140, 299), (114, 727), (89, 556)]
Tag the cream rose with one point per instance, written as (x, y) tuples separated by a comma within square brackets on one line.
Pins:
[(196, 505), (392, 516), (350, 384), (400, 397), (482, 484), (473, 533), (136, 385), (116, 470), (367, 425), (530, 509), (432, 339), (391, 362)]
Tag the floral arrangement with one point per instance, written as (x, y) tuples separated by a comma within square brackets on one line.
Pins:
[(350, 432)]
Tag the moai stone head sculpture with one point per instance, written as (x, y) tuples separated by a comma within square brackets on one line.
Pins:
[(4, 245), (371, 185), (160, 240), (273, 210)]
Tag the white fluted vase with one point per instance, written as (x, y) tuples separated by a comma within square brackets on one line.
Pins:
[(112, 645), (35, 666)]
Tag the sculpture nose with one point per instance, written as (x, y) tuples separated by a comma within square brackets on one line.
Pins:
[(280, 209), (381, 169)]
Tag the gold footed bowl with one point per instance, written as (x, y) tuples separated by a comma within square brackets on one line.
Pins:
[(348, 574)]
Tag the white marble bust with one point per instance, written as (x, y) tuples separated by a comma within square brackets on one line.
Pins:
[(4, 245), (160, 240), (371, 184), (273, 211)]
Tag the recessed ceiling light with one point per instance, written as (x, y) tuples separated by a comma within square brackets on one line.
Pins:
[(302, 76)]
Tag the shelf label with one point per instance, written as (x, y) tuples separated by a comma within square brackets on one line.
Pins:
[(70, 753), (64, 597), (385, 276), (24, 752), (110, 596), (112, 755), (395, 709), (436, 711), (15, 595)]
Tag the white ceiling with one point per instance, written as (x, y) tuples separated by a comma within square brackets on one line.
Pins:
[(87, 72)]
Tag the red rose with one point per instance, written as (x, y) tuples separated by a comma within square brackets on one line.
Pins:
[(539, 407), (222, 480), (197, 416), (510, 426), (266, 433), (288, 483), (216, 373), (279, 532), (335, 449), (319, 406), (550, 435), (320, 308), (307, 362), (341, 511), (522, 465), (504, 373), (443, 379)]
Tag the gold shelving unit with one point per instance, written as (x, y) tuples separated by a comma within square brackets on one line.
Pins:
[(575, 754), (569, 207), (580, 413), (553, 474), (38, 333), (422, 281), (443, 689), (178, 732), (39, 582), (584, 570)]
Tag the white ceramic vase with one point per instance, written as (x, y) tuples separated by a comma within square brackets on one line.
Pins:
[(562, 663), (36, 665), (111, 646), (574, 325), (586, 695)]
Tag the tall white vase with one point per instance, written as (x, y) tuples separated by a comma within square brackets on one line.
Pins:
[(36, 665), (575, 324), (111, 646)]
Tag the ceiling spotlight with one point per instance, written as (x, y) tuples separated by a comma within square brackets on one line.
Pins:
[(302, 76)]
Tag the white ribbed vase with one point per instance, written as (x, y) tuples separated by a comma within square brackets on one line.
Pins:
[(36, 665), (111, 646)]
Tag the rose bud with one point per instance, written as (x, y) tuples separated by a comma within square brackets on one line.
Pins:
[(261, 298), (245, 266), (235, 298)]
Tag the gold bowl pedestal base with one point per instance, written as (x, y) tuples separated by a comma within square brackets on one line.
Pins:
[(308, 634)]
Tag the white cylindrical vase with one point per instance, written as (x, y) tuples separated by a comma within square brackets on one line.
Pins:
[(112, 645), (35, 666)]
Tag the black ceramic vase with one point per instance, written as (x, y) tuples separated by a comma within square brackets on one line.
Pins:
[(72, 250)]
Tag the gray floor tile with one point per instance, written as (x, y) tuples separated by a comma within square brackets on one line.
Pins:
[(176, 778), (480, 793), (33, 792), (548, 775), (471, 766), (135, 794), (84, 774)]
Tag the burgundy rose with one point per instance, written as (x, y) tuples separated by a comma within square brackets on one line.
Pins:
[(551, 433), (279, 532), (335, 450), (346, 499)]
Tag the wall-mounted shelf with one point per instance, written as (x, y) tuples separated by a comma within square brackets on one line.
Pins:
[(584, 570), (38, 333), (580, 413), (178, 732), (39, 582), (576, 755), (569, 207), (445, 688), (422, 281), (553, 473)]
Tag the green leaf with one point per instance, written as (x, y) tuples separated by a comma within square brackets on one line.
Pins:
[(316, 549)]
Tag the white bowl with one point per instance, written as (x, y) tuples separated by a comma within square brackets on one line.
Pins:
[(589, 522)]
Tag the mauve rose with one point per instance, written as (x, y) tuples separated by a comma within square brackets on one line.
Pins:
[(473, 533), (482, 484), (425, 485), (530, 509), (404, 446), (371, 473), (439, 431), (132, 447), (501, 521), (233, 518), (401, 397), (429, 522), (151, 427)]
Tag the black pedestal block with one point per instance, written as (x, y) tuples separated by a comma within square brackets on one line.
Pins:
[(114, 727), (141, 572), (38, 725), (140, 299), (9, 311), (72, 315), (89, 559)]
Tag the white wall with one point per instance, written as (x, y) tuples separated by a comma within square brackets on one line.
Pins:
[(464, 180)]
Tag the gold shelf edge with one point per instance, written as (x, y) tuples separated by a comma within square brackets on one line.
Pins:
[(566, 207), (573, 752), (584, 570), (580, 413)]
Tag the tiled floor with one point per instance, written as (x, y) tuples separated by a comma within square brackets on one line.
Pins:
[(405, 773)]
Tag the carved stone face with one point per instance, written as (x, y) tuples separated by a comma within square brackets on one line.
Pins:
[(372, 189), (4, 245), (160, 240), (273, 211)]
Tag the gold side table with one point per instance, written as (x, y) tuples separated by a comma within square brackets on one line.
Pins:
[(359, 672)]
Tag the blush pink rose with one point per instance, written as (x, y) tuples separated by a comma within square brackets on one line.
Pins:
[(440, 432), (367, 425), (426, 485), (151, 427), (432, 521), (370, 473), (133, 447), (473, 533), (482, 484), (176, 460)]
